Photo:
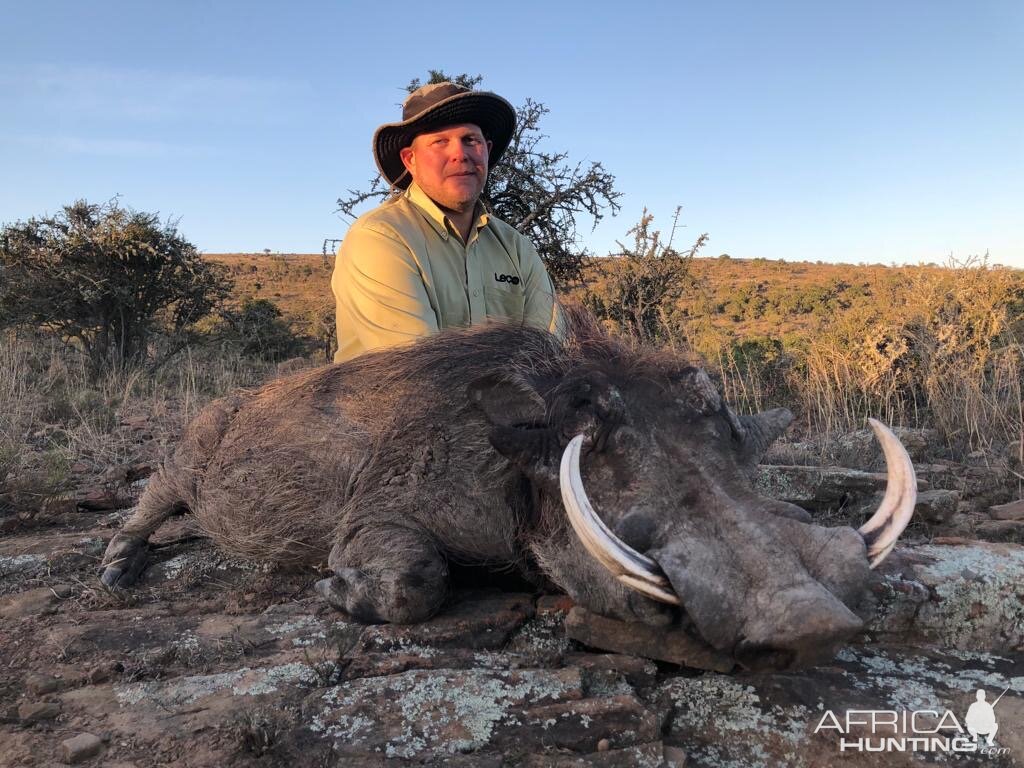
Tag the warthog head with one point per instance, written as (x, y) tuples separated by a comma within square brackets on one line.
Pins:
[(655, 473)]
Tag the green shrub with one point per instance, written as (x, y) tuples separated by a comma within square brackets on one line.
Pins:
[(259, 330), (105, 278)]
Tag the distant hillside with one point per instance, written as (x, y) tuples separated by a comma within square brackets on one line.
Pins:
[(835, 342), (743, 298)]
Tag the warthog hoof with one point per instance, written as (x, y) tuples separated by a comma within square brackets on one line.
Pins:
[(123, 561)]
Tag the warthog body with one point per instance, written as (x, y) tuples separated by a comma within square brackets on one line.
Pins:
[(395, 464)]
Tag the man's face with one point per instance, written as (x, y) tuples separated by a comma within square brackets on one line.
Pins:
[(450, 165)]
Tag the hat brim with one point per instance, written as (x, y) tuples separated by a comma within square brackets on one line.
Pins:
[(495, 117)]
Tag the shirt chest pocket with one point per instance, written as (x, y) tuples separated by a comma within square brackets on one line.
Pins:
[(505, 296)]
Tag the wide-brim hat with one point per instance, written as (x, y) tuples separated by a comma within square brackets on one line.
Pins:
[(436, 106)]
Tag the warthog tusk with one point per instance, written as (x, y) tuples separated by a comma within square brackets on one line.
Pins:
[(631, 568), (881, 532)]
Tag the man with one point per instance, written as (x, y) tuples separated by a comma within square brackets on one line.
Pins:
[(431, 257)]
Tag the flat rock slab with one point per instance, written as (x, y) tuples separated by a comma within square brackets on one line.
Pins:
[(674, 646), (816, 486), (421, 714), (967, 596), (1012, 511), (799, 719)]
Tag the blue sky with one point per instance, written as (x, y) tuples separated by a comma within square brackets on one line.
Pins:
[(843, 131)]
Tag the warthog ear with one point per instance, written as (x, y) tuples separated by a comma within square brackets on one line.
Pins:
[(516, 412), (762, 429), (506, 400)]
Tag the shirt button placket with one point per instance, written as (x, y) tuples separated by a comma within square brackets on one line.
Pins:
[(475, 283)]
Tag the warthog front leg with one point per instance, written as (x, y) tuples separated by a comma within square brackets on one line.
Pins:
[(125, 558), (386, 573)]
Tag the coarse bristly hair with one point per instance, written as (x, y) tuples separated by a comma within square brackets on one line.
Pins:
[(273, 473)]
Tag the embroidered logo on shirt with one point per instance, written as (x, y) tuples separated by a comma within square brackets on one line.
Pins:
[(514, 279)]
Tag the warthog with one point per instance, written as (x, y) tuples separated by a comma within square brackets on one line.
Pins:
[(473, 447)]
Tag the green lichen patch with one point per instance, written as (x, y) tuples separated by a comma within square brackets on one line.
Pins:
[(240, 682), (442, 712), (980, 591), (727, 724)]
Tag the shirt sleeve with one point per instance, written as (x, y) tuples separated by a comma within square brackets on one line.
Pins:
[(380, 295), (542, 308)]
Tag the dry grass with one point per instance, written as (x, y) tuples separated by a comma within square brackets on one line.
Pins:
[(60, 426), (914, 346)]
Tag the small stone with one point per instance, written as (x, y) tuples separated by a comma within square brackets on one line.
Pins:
[(39, 684), (603, 745), (1012, 511), (1001, 530), (100, 674), (101, 500), (80, 748), (936, 506), (675, 757), (37, 711)]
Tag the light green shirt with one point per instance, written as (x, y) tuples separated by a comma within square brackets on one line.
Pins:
[(404, 272)]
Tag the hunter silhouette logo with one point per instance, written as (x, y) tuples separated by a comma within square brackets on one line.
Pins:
[(981, 717), (924, 730)]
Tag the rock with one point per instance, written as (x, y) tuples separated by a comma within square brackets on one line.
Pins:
[(80, 748), (483, 623), (861, 450), (647, 755), (962, 595), (816, 487), (772, 719), (419, 714), (101, 499), (603, 745), (126, 474), (33, 602), (39, 684), (1001, 530), (936, 506), (637, 672), (101, 673), (675, 757), (1012, 511), (980, 486), (641, 640), (37, 711)]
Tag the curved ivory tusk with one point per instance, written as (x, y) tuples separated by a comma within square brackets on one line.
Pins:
[(633, 569), (653, 591), (885, 526)]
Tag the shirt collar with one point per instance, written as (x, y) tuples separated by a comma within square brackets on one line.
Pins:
[(435, 216)]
